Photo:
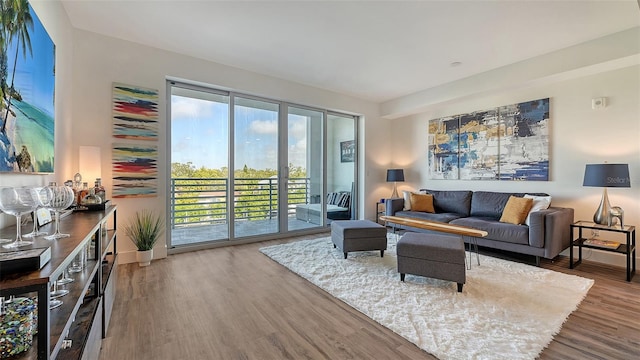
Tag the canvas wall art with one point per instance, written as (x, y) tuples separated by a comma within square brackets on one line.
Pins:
[(135, 170), (479, 145), (443, 148), (135, 112), (347, 151), (510, 142), (27, 86)]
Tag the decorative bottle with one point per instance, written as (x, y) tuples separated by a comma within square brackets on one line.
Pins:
[(100, 191), (84, 191)]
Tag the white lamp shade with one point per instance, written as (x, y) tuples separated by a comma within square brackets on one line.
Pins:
[(90, 164)]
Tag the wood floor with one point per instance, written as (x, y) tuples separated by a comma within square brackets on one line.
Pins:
[(235, 303)]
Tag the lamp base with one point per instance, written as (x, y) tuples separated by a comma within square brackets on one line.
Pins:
[(394, 194), (602, 213)]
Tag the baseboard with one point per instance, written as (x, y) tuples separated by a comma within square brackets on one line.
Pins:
[(601, 256)]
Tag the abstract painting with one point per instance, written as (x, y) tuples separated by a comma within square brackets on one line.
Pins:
[(135, 170), (525, 143), (27, 84), (443, 148), (510, 142), (135, 112), (479, 145)]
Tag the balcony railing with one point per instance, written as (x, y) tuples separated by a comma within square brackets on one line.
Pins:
[(203, 201)]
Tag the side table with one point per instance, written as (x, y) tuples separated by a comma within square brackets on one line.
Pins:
[(629, 249), (379, 212)]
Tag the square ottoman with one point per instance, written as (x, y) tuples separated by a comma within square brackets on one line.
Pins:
[(432, 255), (358, 235)]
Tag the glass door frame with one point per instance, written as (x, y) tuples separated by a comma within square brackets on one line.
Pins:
[(283, 164)]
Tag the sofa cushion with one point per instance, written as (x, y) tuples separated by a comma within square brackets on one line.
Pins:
[(516, 210), (488, 204), (539, 203), (441, 217), (422, 202), (454, 201), (516, 234)]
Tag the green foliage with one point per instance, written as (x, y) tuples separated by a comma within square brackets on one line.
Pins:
[(201, 194), (145, 229)]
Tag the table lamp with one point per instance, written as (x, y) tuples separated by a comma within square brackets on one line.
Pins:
[(605, 175), (395, 175)]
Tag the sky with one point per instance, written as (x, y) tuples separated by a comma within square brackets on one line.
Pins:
[(34, 77), (199, 134)]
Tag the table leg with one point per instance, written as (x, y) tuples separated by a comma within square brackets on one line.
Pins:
[(629, 257)]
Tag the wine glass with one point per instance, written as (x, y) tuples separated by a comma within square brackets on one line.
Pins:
[(2, 241), (44, 197), (18, 201), (62, 197), (57, 293)]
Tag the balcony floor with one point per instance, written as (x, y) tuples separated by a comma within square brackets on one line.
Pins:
[(197, 234)]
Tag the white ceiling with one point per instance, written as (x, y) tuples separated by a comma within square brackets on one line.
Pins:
[(372, 50)]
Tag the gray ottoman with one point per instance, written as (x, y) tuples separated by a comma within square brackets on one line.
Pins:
[(432, 255), (358, 235)]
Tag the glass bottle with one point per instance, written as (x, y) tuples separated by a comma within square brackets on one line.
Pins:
[(84, 191), (100, 190), (91, 198)]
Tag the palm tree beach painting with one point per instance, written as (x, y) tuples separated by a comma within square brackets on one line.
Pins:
[(27, 83)]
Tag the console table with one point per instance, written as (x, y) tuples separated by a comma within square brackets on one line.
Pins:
[(76, 328), (629, 249)]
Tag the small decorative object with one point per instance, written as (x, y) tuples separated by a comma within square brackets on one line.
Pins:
[(144, 231), (16, 326), (616, 213), (24, 260), (395, 175), (605, 175), (44, 197), (91, 198)]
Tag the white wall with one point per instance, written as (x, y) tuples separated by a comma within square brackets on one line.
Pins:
[(86, 66), (99, 61), (578, 135)]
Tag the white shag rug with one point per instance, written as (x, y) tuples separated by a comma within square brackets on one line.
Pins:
[(507, 310)]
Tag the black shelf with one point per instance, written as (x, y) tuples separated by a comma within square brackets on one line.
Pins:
[(628, 249), (81, 308)]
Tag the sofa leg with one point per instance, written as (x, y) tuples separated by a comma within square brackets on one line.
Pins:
[(345, 255), (538, 261), (381, 253), (401, 277), (460, 287)]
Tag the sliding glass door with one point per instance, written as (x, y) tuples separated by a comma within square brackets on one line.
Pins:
[(304, 165), (198, 201), (255, 175), (245, 167)]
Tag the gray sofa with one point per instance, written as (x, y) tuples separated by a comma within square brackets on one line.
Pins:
[(546, 236)]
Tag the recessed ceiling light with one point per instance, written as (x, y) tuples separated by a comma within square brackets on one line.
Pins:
[(455, 63)]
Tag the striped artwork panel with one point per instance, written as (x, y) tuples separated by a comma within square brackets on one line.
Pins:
[(135, 112), (135, 170)]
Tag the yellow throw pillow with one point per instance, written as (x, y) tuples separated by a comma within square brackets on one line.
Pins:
[(516, 210), (422, 202)]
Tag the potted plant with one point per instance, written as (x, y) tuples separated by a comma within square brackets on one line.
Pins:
[(144, 231)]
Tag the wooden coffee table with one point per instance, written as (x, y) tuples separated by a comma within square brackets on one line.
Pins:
[(440, 227)]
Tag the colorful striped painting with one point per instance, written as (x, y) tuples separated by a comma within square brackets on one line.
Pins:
[(135, 170), (135, 112)]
